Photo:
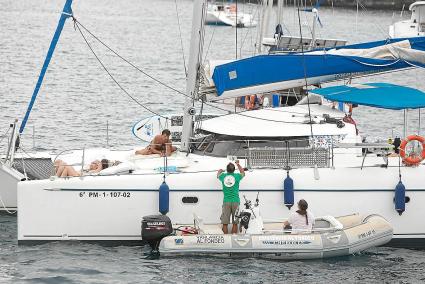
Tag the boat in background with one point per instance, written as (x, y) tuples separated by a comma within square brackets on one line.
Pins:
[(227, 15), (413, 27), (284, 43)]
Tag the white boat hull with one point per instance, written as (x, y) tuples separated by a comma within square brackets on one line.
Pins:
[(9, 178), (111, 208), (229, 19)]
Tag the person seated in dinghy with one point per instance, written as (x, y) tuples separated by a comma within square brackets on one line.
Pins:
[(301, 220), (161, 144), (230, 183), (62, 169)]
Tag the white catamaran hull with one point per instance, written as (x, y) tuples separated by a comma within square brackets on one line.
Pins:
[(111, 208), (9, 178)]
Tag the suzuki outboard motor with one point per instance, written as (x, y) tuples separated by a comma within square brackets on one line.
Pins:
[(155, 228)]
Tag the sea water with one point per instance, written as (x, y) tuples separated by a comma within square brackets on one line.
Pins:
[(78, 100)]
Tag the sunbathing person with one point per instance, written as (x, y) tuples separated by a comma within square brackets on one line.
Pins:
[(62, 169), (161, 144)]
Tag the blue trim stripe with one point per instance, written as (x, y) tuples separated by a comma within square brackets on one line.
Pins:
[(241, 190)]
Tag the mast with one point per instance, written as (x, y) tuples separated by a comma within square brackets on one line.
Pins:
[(313, 32), (264, 21), (66, 13), (195, 54)]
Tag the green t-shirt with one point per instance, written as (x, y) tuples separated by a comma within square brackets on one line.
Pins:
[(230, 183)]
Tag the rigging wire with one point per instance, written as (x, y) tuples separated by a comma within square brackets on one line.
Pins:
[(112, 77), (209, 44), (305, 73), (249, 30), (4, 135), (181, 39), (127, 61), (78, 24), (236, 30), (364, 9)]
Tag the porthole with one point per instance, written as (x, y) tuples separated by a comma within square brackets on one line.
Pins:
[(190, 200)]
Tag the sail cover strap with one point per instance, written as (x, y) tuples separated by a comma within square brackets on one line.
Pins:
[(66, 13)]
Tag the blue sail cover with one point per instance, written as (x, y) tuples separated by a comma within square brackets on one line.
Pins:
[(379, 95), (266, 73)]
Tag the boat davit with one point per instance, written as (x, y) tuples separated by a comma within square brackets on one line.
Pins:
[(330, 237)]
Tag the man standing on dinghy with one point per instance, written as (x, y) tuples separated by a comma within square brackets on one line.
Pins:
[(161, 144), (230, 182)]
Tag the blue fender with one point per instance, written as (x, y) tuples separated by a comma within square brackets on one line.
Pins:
[(400, 198), (288, 191), (164, 198)]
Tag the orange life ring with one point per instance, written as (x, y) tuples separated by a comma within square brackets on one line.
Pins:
[(412, 160)]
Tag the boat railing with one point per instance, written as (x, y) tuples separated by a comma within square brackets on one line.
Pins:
[(286, 157), (275, 155)]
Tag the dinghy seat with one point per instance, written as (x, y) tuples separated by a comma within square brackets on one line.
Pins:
[(327, 222)]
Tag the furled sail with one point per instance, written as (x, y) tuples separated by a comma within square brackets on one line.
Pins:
[(268, 73)]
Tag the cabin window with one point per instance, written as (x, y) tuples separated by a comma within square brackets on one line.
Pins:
[(190, 200)]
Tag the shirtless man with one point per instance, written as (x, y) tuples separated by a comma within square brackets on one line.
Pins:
[(161, 144)]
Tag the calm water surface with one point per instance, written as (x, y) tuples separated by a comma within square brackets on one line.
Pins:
[(77, 99)]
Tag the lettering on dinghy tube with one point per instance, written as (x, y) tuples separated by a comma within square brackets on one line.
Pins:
[(154, 229)]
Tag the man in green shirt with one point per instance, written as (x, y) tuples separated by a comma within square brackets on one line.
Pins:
[(230, 182)]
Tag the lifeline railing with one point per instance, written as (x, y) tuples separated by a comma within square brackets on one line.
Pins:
[(271, 157), (280, 157)]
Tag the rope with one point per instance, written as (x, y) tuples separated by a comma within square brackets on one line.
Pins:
[(374, 65), (181, 40), (4, 135), (112, 77), (5, 208)]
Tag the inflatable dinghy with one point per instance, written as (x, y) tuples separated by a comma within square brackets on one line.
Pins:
[(330, 237)]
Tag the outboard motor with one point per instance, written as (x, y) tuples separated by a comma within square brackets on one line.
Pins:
[(155, 228)]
